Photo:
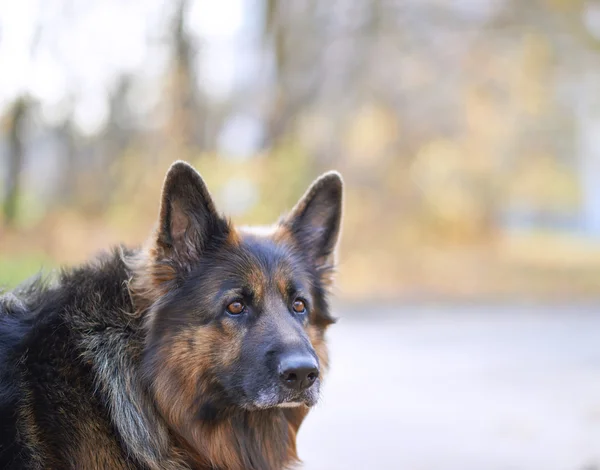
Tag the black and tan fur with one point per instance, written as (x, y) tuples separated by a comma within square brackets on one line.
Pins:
[(133, 361)]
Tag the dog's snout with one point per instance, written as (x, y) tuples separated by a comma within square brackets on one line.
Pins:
[(298, 371)]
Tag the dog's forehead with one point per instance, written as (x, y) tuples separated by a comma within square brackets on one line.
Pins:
[(264, 258), (258, 231), (265, 252)]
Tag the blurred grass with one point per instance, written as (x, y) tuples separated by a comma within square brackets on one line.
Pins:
[(515, 266), (15, 269), (409, 230)]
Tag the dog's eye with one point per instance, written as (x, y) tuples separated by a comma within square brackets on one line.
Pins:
[(235, 308), (299, 306)]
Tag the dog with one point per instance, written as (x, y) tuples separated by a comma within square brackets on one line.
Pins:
[(203, 349)]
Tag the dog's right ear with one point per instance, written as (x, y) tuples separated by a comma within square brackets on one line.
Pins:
[(188, 221)]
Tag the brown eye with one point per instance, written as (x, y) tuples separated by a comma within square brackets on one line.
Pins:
[(235, 308), (299, 306)]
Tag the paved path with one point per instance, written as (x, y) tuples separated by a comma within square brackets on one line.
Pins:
[(460, 388)]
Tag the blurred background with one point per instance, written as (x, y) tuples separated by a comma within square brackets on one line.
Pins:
[(468, 133)]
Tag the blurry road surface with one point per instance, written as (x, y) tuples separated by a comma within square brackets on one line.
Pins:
[(460, 388)]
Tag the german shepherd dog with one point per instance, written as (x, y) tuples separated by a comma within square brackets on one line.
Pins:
[(203, 350)]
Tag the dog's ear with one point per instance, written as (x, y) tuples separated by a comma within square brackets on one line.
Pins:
[(315, 220), (188, 221)]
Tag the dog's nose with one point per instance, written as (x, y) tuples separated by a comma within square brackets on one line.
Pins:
[(298, 371)]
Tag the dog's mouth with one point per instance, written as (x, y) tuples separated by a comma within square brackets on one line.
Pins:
[(272, 398), (307, 398), (292, 404)]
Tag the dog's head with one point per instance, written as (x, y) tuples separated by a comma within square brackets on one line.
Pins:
[(236, 317)]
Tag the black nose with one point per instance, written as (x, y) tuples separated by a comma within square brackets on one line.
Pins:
[(298, 371)]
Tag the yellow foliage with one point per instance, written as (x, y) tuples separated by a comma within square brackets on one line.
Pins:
[(540, 181), (370, 132), (532, 85)]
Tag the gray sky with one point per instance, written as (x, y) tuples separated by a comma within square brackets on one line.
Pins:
[(83, 45)]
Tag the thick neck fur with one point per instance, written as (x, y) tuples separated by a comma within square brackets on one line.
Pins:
[(246, 440)]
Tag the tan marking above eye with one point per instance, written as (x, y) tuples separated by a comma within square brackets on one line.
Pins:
[(299, 306), (235, 308)]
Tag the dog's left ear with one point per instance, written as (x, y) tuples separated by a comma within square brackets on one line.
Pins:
[(188, 220), (315, 220)]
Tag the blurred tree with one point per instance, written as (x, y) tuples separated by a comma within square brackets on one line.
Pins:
[(67, 135), (449, 119), (118, 134), (187, 114), (275, 36), (16, 141), (292, 34)]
